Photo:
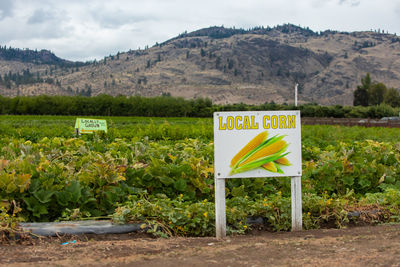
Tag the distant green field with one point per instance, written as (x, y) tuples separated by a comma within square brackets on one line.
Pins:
[(36, 127)]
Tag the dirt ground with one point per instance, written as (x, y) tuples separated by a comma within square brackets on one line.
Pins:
[(358, 246)]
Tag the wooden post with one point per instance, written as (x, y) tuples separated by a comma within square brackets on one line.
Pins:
[(297, 214), (220, 209)]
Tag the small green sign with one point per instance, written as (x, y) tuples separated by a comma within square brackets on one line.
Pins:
[(84, 126)]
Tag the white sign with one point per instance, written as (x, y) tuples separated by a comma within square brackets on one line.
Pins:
[(90, 126), (257, 144)]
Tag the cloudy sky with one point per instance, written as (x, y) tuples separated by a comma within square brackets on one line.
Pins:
[(88, 29)]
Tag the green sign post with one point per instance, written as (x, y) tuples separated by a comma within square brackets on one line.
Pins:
[(88, 126)]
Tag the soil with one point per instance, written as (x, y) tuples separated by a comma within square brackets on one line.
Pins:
[(356, 246)]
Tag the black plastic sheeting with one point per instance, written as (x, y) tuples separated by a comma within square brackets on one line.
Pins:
[(106, 227), (79, 227), (91, 227)]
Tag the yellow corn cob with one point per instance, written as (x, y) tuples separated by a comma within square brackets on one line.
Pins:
[(256, 141), (268, 150), (283, 161), (270, 166)]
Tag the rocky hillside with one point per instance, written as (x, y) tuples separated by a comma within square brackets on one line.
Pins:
[(227, 65)]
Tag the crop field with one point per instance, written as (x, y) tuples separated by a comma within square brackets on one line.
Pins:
[(159, 171)]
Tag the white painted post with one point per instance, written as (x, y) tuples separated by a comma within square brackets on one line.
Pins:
[(220, 209), (295, 94), (297, 214)]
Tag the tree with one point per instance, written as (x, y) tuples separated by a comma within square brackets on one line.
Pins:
[(376, 93), (231, 63), (361, 93), (218, 62), (392, 97)]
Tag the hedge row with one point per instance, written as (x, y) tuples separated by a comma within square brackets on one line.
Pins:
[(167, 106)]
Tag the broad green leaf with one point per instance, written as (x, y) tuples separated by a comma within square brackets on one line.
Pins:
[(75, 190), (166, 180), (180, 185), (43, 196)]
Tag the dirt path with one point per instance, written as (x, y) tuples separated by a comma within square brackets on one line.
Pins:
[(361, 246)]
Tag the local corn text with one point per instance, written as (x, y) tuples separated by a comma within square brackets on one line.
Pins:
[(250, 123)]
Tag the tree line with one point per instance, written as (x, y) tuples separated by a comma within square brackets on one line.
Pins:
[(36, 57), (371, 93), (105, 105), (168, 106)]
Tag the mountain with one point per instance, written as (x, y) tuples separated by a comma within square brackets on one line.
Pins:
[(225, 64)]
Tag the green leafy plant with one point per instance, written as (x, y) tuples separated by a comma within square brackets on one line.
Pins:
[(168, 163)]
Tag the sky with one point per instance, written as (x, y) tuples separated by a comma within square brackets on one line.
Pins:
[(86, 29)]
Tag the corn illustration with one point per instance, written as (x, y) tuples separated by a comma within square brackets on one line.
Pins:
[(283, 161), (255, 142), (268, 154), (265, 151), (270, 166)]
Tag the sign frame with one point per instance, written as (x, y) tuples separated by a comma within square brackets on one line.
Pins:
[(257, 121), (91, 128)]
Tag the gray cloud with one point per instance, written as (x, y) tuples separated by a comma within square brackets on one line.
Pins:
[(352, 3), (40, 16), (31, 26), (320, 3), (81, 30), (113, 19), (397, 10), (6, 8)]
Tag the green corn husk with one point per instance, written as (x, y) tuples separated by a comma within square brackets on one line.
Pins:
[(279, 170), (250, 146), (259, 162), (267, 142), (268, 150)]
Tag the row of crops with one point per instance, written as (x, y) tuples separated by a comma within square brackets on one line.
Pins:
[(160, 172)]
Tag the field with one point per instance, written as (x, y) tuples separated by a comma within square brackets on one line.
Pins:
[(159, 172)]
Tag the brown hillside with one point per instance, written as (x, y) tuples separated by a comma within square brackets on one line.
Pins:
[(231, 66)]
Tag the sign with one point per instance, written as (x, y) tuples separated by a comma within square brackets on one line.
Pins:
[(257, 144), (85, 126)]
